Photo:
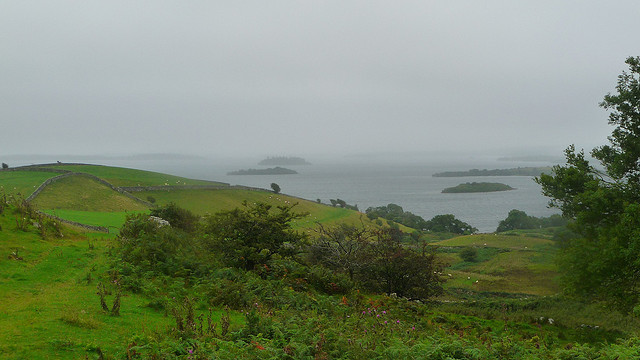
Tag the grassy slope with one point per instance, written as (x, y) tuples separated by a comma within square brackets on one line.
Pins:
[(84, 194), (22, 182), (96, 218), (509, 264), (211, 201), (133, 177)]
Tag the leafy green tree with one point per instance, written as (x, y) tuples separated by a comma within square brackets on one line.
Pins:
[(251, 236), (275, 187), (517, 219), (449, 223), (604, 204), (5, 166)]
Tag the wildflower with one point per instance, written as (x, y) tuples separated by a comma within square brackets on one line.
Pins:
[(397, 321), (384, 311)]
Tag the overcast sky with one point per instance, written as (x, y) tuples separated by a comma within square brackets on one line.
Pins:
[(309, 77)]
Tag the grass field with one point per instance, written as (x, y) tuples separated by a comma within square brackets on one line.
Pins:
[(509, 264), (84, 194), (132, 177), (22, 182), (497, 241), (107, 219)]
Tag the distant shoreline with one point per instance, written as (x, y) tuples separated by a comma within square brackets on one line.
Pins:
[(270, 171), (519, 171)]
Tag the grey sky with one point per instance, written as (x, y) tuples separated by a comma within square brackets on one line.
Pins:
[(309, 77)]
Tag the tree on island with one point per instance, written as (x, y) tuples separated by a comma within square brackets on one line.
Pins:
[(275, 187), (601, 263)]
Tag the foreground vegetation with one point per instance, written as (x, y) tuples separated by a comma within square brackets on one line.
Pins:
[(182, 292)]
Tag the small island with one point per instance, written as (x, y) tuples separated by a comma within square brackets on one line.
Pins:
[(271, 171), (477, 187), (519, 171), (284, 160)]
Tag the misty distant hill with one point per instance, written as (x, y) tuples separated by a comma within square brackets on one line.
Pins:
[(284, 160), (519, 171), (271, 171)]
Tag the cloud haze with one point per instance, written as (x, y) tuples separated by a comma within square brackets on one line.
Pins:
[(302, 77)]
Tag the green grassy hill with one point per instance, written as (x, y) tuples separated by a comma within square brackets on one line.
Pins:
[(84, 194), (132, 177)]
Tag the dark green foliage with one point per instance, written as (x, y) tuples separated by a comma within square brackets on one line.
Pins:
[(439, 223), (395, 213), (177, 217), (151, 199), (145, 246), (448, 223), (251, 236), (343, 204), (518, 219), (378, 260), (5, 166), (469, 254), (602, 261), (395, 269), (275, 187)]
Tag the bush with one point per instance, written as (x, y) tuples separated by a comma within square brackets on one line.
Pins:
[(469, 254), (250, 237), (177, 217)]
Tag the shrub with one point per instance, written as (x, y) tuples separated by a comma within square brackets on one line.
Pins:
[(469, 254), (250, 237)]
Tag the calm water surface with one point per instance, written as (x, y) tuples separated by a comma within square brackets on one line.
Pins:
[(409, 185)]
